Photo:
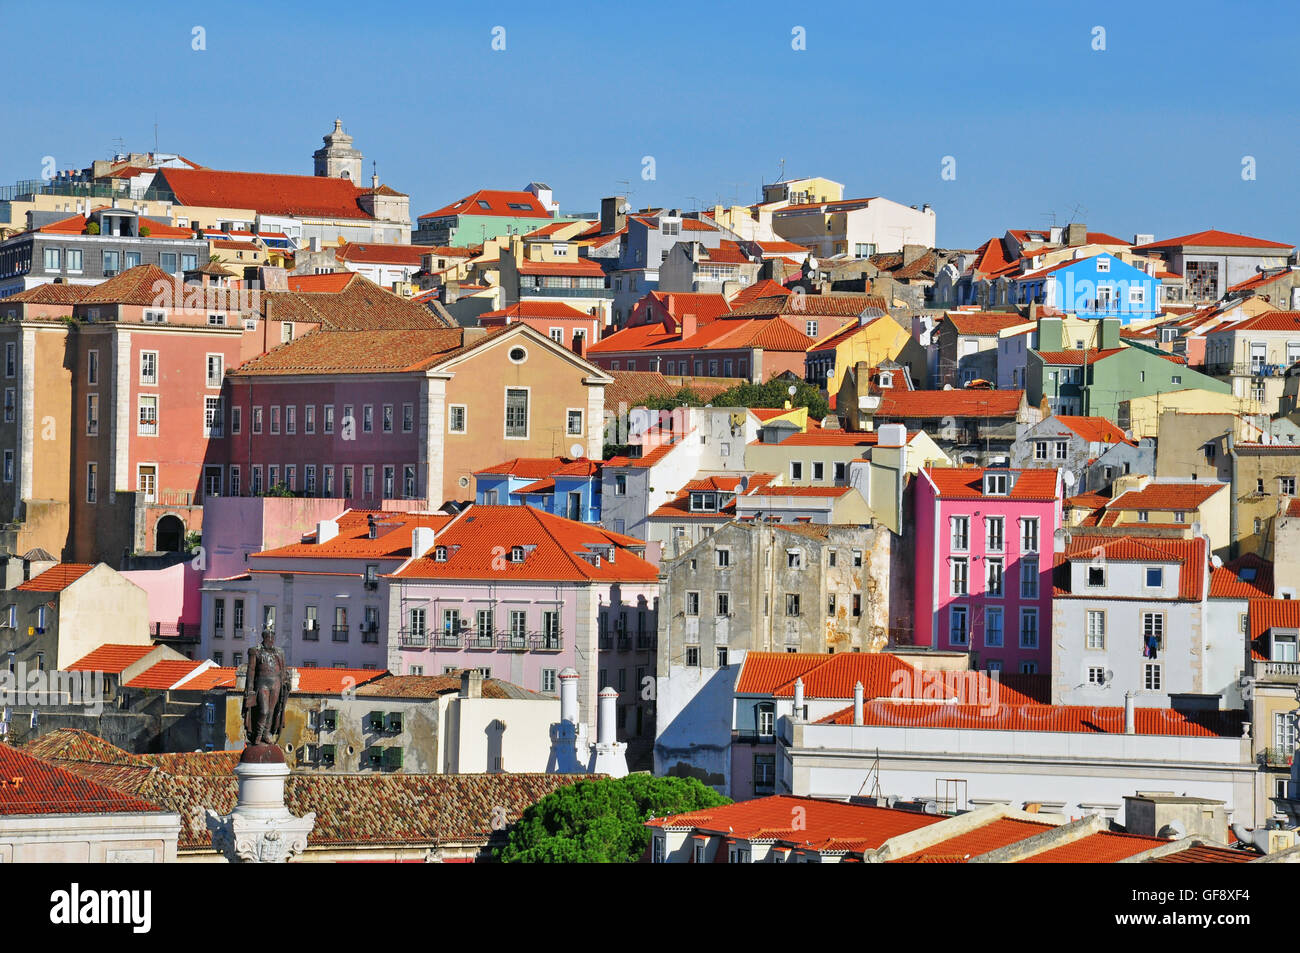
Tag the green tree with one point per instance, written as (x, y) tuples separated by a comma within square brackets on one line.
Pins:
[(775, 393), (601, 821)]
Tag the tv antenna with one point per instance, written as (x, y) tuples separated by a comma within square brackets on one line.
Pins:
[(1076, 211), (1051, 218)]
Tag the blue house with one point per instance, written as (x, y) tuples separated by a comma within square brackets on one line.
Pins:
[(561, 486), (1100, 286)]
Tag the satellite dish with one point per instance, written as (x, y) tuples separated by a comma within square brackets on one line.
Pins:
[(576, 451), (625, 208), (1216, 562), (812, 262), (791, 390), (1068, 478), (947, 387)]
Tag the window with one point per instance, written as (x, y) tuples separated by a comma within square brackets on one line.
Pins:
[(275, 418), (408, 418), (1284, 733), (960, 533), (1153, 633), (11, 359), (1062, 449), (408, 481), (993, 627), (1029, 579), (692, 603), (1155, 577), (234, 481), (1040, 450), (347, 482), (841, 472), (1029, 628), (92, 475), (1103, 265), (309, 479), (994, 583), (857, 558), (1096, 637), (994, 527), (548, 681), (516, 412), (368, 418), (1029, 535), (574, 427), (792, 603), (1096, 577), (148, 416), (387, 419), (693, 656), (1143, 516), (960, 577), (212, 417), (456, 418), (995, 484), (857, 604), (291, 419), (1286, 485), (112, 264), (796, 470), (255, 480), (724, 604), (257, 420), (236, 419), (1151, 680), (724, 558), (830, 604), (958, 626), (794, 559), (1096, 675), (327, 414), (367, 482), (810, 328), (215, 369)]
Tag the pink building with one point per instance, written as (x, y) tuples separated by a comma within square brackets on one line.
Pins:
[(522, 595), (984, 553)]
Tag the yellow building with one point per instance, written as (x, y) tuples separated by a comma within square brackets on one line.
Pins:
[(1144, 412), (1176, 508), (872, 341)]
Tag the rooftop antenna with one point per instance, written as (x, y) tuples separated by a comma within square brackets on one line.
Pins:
[(155, 134), (780, 173), (1050, 216), (1075, 212), (120, 146)]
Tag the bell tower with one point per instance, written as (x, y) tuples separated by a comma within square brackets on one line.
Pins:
[(337, 159)]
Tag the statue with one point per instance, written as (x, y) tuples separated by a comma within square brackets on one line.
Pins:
[(266, 690)]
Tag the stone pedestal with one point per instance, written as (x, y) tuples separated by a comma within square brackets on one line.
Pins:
[(260, 830)]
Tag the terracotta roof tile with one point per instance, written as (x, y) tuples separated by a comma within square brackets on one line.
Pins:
[(32, 786), (392, 537), (981, 840), (842, 305), (917, 404), (164, 674), (1167, 496), (376, 253), (1213, 238), (967, 483), (985, 323), (297, 195), (1093, 429), (356, 352), (56, 578), (1246, 577), (1103, 847), (112, 658), (498, 204)]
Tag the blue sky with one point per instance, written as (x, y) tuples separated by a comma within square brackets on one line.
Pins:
[(1148, 135)]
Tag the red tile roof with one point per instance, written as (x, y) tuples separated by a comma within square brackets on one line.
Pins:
[(381, 351), (916, 404), (164, 674), (498, 203), (1189, 554), (538, 309), (1167, 496), (480, 541), (334, 681), (1268, 321), (299, 195), (582, 267), (374, 253), (1230, 581), (31, 786), (211, 678), (1082, 719), (1093, 429), (842, 305), (967, 483), (1213, 238), (51, 293), (1265, 614), (1103, 847), (1205, 854), (986, 323), (830, 825), (991, 259), (392, 537), (56, 578), (1258, 281), (765, 288), (534, 468), (111, 657), (981, 840), (705, 307)]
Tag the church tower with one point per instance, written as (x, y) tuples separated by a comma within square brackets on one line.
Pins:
[(338, 160)]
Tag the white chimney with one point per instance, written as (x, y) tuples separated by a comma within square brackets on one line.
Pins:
[(857, 703), (798, 697), (326, 530), (1130, 717), (605, 711), (422, 538), (892, 435), (569, 696)]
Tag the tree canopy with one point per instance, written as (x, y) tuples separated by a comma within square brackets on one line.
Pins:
[(602, 820)]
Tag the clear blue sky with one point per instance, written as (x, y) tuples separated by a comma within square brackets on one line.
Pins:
[(1146, 136)]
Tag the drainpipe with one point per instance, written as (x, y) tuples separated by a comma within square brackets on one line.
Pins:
[(1233, 527)]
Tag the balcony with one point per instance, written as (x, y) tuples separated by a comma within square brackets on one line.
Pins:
[(413, 638), (513, 641), (311, 633), (644, 641), (605, 642), (526, 293), (546, 641), (481, 640), (1251, 369), (447, 639), (1275, 758), (1285, 672), (181, 632), (624, 643), (752, 737), (238, 632), (370, 633), (340, 633)]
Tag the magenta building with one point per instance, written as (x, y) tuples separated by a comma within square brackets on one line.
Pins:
[(985, 541)]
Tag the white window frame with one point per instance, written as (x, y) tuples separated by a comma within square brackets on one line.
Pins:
[(464, 418)]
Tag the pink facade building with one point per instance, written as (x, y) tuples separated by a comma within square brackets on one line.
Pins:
[(984, 553), (522, 595)]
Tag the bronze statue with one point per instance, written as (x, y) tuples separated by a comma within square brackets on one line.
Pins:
[(266, 690)]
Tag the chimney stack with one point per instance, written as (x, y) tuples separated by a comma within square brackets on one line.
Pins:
[(606, 709), (689, 325), (857, 703), (569, 695), (422, 539), (798, 697), (1076, 233), (326, 530), (1130, 716), (471, 683)]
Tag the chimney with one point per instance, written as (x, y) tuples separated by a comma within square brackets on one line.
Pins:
[(689, 325), (1109, 333), (471, 683), (913, 252), (611, 216), (892, 435), (451, 292), (569, 696), (326, 530), (374, 181), (857, 703), (606, 708), (422, 538), (1130, 716), (371, 530), (1076, 233), (798, 697), (579, 345)]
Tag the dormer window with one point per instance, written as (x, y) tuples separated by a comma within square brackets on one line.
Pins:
[(995, 484), (886, 379), (1284, 648), (440, 554), (705, 502), (516, 554)]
